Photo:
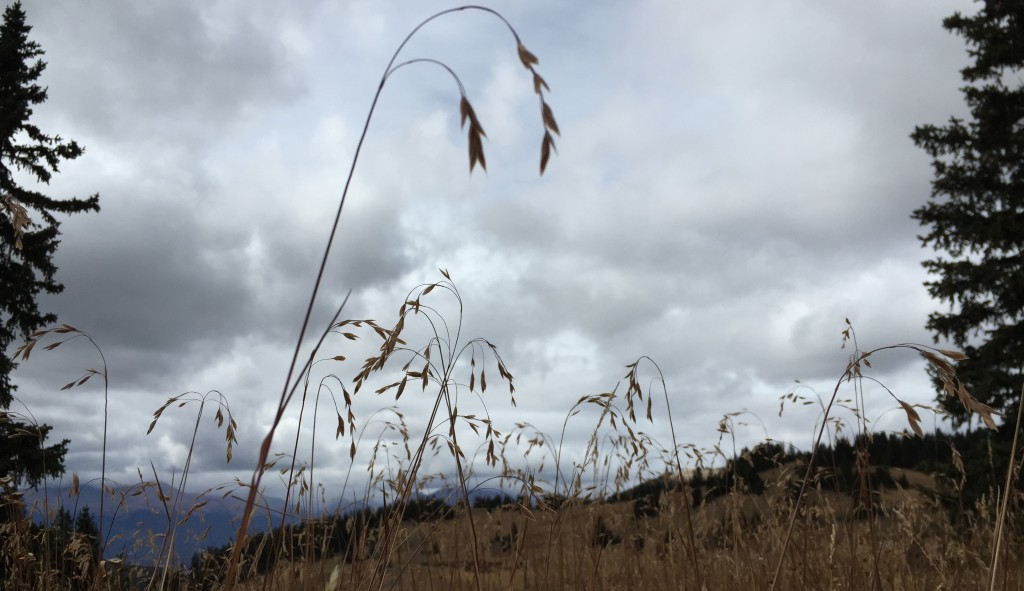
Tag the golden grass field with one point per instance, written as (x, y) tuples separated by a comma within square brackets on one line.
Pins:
[(908, 545), (797, 535)]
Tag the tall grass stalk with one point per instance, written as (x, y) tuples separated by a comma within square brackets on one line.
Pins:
[(476, 156), (634, 390), (24, 350), (938, 358), (222, 415), (1008, 492)]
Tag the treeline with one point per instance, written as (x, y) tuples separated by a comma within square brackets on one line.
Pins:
[(968, 466), (65, 552), (352, 535)]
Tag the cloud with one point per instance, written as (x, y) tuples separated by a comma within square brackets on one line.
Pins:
[(730, 185), (163, 72)]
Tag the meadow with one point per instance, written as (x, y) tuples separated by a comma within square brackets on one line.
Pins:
[(633, 514), (626, 512)]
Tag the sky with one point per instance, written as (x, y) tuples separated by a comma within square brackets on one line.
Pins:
[(732, 183)]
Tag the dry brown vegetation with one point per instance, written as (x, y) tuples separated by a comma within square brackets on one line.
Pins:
[(562, 533), (565, 533), (602, 546)]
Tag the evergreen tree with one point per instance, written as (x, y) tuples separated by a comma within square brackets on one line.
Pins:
[(28, 234), (975, 217), (85, 524), (58, 536), (84, 573), (24, 454)]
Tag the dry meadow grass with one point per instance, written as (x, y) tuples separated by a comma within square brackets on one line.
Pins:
[(910, 546), (563, 532)]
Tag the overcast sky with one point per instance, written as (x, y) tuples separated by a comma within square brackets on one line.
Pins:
[(733, 180)]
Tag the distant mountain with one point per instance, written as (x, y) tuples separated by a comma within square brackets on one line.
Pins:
[(451, 494), (138, 521)]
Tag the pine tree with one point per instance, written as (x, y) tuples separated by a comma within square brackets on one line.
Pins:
[(85, 524), (85, 571), (24, 454), (28, 233), (975, 217)]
